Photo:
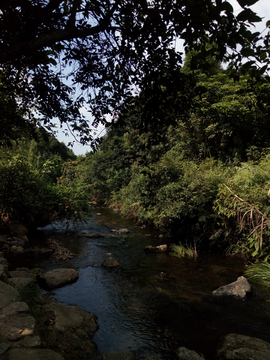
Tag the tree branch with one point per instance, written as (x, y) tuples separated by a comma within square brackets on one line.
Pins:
[(34, 44), (46, 40)]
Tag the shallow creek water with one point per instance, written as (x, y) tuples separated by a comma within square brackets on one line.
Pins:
[(139, 311)]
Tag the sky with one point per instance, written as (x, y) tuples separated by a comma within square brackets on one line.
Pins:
[(262, 8)]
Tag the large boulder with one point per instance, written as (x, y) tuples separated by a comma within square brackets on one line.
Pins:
[(7, 295), (16, 326), (237, 289), (241, 347), (58, 277), (70, 329), (186, 354), (20, 278)]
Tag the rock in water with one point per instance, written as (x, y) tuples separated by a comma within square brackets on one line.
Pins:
[(157, 249), (111, 263), (58, 277), (240, 347), (71, 330), (120, 231), (237, 289), (186, 354)]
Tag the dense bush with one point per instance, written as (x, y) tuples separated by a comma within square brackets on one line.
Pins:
[(30, 191), (176, 196), (200, 174), (243, 202)]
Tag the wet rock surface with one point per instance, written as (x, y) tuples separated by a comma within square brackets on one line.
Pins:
[(186, 354), (58, 277), (157, 249), (93, 235), (16, 324), (111, 263), (69, 329), (237, 289), (58, 251), (120, 231), (8, 295), (240, 347)]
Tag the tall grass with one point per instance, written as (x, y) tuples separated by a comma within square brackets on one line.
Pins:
[(259, 273)]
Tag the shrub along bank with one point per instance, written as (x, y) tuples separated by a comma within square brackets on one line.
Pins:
[(31, 187), (203, 178)]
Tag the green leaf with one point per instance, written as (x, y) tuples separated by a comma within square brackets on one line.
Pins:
[(244, 3), (226, 7), (263, 69), (248, 64), (268, 23), (247, 52), (248, 15), (255, 253)]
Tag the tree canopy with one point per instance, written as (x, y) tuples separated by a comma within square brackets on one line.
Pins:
[(58, 55)]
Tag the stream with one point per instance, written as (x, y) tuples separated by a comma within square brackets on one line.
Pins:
[(137, 309)]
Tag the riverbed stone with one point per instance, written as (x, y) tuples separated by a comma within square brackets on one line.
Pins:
[(35, 354), (4, 272), (93, 235), (16, 327), (241, 347), (7, 295), (19, 249), (237, 289), (70, 329), (119, 355), (20, 278), (31, 342), (157, 249), (3, 348), (18, 230), (3, 260), (120, 231), (185, 354), (17, 242), (58, 277), (111, 263), (13, 308), (19, 282)]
